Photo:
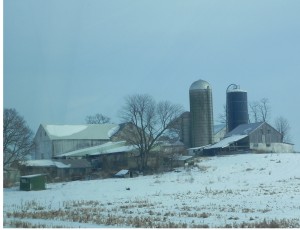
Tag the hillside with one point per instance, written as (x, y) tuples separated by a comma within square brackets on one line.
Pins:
[(225, 191)]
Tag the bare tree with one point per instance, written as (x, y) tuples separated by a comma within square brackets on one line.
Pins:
[(17, 137), (265, 109), (282, 126), (254, 111), (150, 120), (97, 119), (260, 111)]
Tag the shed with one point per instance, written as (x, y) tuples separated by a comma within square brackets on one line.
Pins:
[(124, 173), (33, 182), (180, 161)]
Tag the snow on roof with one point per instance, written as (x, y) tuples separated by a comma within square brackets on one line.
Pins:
[(46, 163), (227, 141), (183, 158), (83, 132), (32, 176), (107, 148), (64, 130), (121, 149), (61, 165), (39, 163), (113, 131), (122, 172)]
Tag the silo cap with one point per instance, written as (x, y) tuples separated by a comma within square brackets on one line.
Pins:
[(200, 84)]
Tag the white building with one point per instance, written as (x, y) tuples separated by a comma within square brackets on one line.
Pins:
[(53, 140)]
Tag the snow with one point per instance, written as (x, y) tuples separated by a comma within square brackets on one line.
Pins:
[(227, 141), (216, 191), (113, 131), (183, 158), (39, 163), (106, 148), (46, 163), (64, 130), (126, 148), (32, 176), (122, 172)]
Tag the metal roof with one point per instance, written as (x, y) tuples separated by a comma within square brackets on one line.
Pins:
[(81, 132), (200, 84), (244, 129), (226, 141), (107, 148)]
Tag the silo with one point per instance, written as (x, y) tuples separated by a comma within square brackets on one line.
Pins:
[(201, 114), (185, 129), (236, 107)]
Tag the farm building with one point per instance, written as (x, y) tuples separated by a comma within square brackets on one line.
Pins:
[(219, 132), (124, 173), (33, 182), (110, 155), (52, 140), (180, 161), (260, 137), (60, 169)]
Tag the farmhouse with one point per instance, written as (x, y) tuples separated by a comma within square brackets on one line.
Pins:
[(259, 137), (52, 140)]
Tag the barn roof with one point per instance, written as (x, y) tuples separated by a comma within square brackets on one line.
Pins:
[(81, 132), (244, 129), (226, 141), (59, 163), (122, 172), (44, 163), (107, 148)]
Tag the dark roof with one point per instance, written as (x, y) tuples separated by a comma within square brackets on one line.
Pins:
[(244, 129)]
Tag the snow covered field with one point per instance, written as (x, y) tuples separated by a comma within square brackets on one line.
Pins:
[(216, 192)]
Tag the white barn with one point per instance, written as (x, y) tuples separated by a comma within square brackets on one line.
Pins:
[(53, 140)]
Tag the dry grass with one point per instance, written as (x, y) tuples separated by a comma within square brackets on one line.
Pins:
[(138, 213)]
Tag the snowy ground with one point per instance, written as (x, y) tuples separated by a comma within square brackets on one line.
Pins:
[(216, 192)]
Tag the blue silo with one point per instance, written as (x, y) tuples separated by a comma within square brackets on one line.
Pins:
[(236, 107)]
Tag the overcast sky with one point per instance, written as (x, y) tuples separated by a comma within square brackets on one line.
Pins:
[(66, 59)]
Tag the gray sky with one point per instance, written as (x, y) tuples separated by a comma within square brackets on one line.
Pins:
[(66, 59)]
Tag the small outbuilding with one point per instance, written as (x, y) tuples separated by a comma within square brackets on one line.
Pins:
[(180, 161), (124, 173), (33, 182)]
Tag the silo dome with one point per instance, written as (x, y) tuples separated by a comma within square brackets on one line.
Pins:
[(200, 85), (201, 114)]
